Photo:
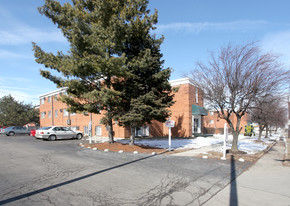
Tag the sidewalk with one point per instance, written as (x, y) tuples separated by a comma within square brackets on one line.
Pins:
[(265, 183)]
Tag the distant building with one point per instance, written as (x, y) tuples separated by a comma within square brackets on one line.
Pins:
[(213, 124), (187, 112)]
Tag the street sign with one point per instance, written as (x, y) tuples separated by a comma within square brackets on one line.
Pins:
[(169, 123)]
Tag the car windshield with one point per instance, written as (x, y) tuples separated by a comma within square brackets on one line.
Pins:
[(45, 128)]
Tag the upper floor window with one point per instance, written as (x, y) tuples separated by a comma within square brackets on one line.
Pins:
[(42, 100), (49, 99), (56, 113), (49, 114), (55, 97), (196, 95), (211, 121), (211, 113), (65, 113), (42, 115)]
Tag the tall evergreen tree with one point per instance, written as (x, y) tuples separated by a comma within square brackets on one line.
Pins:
[(111, 47), (146, 93)]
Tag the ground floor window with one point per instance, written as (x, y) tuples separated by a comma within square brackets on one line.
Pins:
[(86, 130), (98, 130), (75, 128), (142, 131)]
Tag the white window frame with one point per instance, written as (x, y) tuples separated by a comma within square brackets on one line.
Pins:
[(56, 113), (55, 97), (42, 115), (42, 101), (196, 95), (142, 131), (211, 121), (49, 99), (211, 113), (98, 130), (65, 112), (49, 114), (86, 130)]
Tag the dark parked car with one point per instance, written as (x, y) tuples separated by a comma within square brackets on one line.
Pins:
[(11, 131)]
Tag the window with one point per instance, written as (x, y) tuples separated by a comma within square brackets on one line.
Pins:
[(196, 95), (49, 99), (142, 131), (42, 101), (86, 130), (65, 113), (72, 114), (211, 113), (98, 130), (75, 128), (56, 113), (42, 115), (55, 97), (49, 114), (211, 121)]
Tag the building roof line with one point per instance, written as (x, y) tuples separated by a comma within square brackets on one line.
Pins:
[(172, 83)]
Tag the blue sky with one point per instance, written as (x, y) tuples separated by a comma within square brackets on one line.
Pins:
[(191, 29)]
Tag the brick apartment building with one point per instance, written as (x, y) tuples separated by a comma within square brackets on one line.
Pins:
[(213, 124), (187, 112)]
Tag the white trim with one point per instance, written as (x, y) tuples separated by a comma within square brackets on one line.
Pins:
[(52, 93), (172, 83), (181, 81)]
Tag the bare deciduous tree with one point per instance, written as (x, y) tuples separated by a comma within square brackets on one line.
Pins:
[(269, 112), (234, 77)]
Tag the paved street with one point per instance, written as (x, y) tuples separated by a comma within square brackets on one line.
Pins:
[(36, 172)]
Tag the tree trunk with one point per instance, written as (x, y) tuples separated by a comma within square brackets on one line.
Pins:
[(261, 128), (110, 128), (132, 136), (235, 141), (267, 131), (236, 132)]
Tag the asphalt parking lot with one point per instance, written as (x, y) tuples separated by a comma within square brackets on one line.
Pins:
[(37, 172)]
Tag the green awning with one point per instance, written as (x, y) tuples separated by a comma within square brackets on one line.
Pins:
[(199, 110)]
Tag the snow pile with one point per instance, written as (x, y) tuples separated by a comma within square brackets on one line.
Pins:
[(178, 143), (246, 144)]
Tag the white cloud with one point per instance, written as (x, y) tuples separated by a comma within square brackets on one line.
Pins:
[(196, 28), (278, 43), (4, 54), (27, 35)]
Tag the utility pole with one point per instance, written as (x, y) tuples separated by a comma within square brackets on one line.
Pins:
[(288, 119)]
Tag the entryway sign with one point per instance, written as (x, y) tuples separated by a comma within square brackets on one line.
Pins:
[(169, 123)]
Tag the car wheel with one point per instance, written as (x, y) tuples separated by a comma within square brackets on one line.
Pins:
[(79, 136), (52, 138), (11, 134)]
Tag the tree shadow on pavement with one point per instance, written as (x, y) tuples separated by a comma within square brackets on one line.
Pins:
[(12, 199), (233, 188)]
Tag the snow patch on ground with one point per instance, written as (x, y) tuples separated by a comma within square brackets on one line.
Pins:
[(246, 144)]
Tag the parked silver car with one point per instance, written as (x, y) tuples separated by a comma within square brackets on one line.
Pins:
[(56, 132), (11, 131)]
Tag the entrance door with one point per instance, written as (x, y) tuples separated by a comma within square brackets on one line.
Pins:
[(196, 123)]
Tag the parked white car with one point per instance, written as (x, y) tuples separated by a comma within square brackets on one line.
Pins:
[(56, 132)]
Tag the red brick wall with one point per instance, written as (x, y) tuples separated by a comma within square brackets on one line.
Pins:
[(181, 114), (218, 124)]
